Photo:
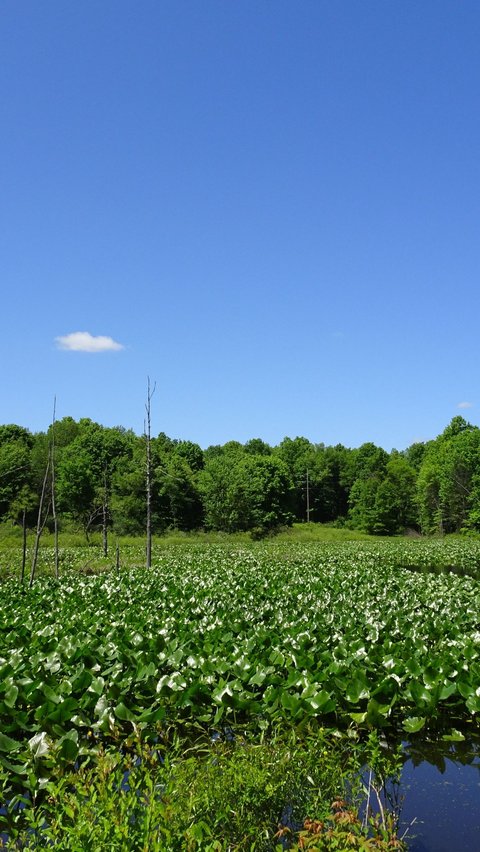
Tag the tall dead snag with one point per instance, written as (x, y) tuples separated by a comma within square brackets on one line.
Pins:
[(24, 545), (105, 511), (41, 521), (308, 497), (54, 508), (148, 477)]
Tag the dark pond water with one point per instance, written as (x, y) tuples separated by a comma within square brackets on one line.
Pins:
[(441, 792)]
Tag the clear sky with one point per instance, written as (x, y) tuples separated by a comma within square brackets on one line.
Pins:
[(271, 208)]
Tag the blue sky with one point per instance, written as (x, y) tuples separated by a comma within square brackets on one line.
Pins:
[(272, 208)]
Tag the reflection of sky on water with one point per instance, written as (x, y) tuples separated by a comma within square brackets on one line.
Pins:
[(446, 805)]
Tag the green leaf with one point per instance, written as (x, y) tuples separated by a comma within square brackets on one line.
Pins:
[(465, 689), (321, 702), (173, 683), (454, 736), (414, 724), (447, 690), (431, 676), (359, 718), (10, 696), (123, 713), (97, 685), (69, 746), (258, 678), (290, 702), (7, 744), (50, 694), (422, 697), (64, 711), (473, 703), (376, 712), (357, 689)]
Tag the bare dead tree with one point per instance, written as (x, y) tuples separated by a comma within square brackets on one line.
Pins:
[(148, 472), (41, 521), (24, 545), (52, 479), (105, 511)]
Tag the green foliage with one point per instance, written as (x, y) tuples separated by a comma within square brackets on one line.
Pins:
[(448, 494), (86, 468), (177, 484), (383, 503), (15, 449), (100, 482), (207, 794), (257, 638), (271, 633), (242, 492)]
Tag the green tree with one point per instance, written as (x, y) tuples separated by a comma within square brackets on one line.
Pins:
[(447, 491), (85, 473), (257, 447), (177, 485), (369, 468), (329, 489), (192, 453), (15, 466), (395, 507), (298, 455), (246, 493)]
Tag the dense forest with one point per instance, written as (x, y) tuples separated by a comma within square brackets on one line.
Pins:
[(95, 477)]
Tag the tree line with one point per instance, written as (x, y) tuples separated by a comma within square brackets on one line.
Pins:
[(100, 482)]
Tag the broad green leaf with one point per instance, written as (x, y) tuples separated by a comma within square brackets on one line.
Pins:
[(123, 713), (414, 724), (8, 744), (447, 690), (97, 685), (290, 702), (10, 696), (454, 736), (68, 745), (473, 703), (359, 718), (50, 694), (376, 712), (321, 702), (357, 689), (258, 678), (64, 711)]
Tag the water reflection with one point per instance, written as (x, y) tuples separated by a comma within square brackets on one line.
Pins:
[(441, 792)]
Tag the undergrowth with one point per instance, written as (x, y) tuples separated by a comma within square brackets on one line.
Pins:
[(218, 795)]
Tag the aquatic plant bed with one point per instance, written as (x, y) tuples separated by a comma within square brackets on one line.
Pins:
[(270, 632), (341, 635)]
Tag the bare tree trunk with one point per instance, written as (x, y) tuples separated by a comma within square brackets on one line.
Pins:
[(117, 560), (24, 544), (105, 512), (308, 498), (149, 474), (54, 508), (41, 521)]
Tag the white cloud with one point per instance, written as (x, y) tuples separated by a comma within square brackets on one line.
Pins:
[(83, 341), (465, 405)]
